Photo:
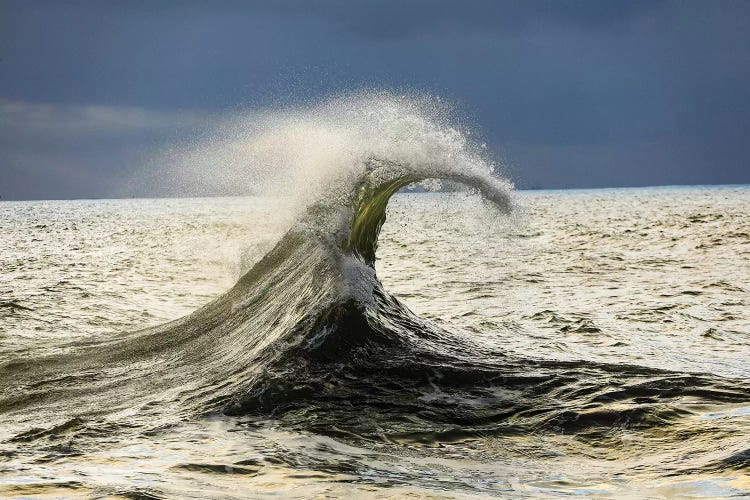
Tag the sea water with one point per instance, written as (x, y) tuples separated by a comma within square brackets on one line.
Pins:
[(604, 336)]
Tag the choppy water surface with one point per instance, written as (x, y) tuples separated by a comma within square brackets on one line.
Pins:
[(596, 343)]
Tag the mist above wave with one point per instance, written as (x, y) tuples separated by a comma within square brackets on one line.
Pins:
[(320, 150)]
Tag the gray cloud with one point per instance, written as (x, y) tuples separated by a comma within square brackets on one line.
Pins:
[(65, 150), (41, 120), (573, 93)]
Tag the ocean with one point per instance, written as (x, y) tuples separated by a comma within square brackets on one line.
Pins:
[(489, 343)]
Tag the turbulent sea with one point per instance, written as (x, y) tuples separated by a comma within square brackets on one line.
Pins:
[(595, 345), (339, 337)]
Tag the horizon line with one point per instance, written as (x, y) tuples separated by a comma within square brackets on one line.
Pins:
[(525, 189)]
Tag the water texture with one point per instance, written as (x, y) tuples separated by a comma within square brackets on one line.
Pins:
[(484, 343)]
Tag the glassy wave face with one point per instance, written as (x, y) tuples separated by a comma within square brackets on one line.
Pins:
[(594, 343)]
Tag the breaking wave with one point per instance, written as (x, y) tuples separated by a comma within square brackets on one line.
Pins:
[(310, 336)]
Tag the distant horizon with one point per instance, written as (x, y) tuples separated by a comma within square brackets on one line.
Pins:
[(209, 196)]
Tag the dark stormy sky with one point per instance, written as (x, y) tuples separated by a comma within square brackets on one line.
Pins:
[(569, 93)]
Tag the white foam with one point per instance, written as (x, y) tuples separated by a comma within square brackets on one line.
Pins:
[(310, 152)]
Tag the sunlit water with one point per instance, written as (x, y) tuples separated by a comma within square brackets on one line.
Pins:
[(650, 278)]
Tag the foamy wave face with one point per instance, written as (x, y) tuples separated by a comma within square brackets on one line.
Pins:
[(321, 151)]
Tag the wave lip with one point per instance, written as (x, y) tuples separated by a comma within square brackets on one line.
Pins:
[(383, 179)]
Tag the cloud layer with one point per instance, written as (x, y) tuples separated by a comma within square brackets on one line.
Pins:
[(573, 94)]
